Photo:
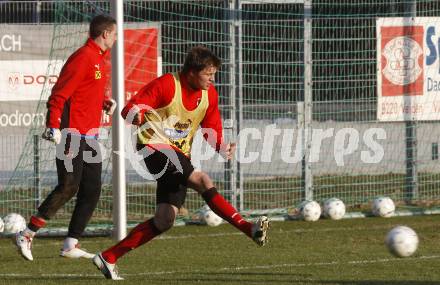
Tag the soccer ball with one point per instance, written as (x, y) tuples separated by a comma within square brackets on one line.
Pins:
[(14, 223), (210, 218), (2, 225), (402, 241), (383, 207), (310, 211), (334, 209)]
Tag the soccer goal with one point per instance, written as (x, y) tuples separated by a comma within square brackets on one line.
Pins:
[(324, 99)]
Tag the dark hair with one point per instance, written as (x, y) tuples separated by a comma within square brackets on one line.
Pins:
[(99, 24), (200, 57)]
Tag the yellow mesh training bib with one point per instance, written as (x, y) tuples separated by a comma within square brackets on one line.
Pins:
[(174, 124)]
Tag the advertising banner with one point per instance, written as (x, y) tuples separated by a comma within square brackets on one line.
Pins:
[(141, 61), (408, 72), (141, 58), (24, 67), (23, 80)]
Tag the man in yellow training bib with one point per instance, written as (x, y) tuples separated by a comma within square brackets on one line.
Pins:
[(168, 111)]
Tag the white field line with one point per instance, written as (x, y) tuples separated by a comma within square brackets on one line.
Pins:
[(227, 269), (190, 236)]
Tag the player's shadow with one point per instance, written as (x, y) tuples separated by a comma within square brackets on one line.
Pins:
[(279, 278), (380, 282), (234, 278), (237, 278), (58, 279)]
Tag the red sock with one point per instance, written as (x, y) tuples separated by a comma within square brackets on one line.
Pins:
[(141, 234), (221, 207), (36, 223)]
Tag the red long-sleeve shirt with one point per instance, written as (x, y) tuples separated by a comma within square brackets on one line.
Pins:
[(160, 92), (77, 98)]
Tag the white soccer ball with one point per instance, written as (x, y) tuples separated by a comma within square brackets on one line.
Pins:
[(334, 209), (2, 225), (14, 223), (210, 218), (310, 211), (402, 241), (383, 207)]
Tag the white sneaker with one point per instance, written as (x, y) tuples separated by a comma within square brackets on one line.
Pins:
[(259, 230), (24, 245), (76, 252), (109, 270)]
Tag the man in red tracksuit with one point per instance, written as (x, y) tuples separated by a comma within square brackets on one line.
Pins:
[(75, 107), (169, 110)]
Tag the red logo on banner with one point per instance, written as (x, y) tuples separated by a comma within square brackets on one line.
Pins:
[(14, 80), (402, 60)]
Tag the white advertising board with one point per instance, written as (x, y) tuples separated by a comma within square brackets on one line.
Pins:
[(23, 80), (408, 68)]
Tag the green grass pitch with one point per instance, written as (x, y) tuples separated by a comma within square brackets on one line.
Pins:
[(324, 252)]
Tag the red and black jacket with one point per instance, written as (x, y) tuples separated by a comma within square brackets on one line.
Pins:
[(77, 97)]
